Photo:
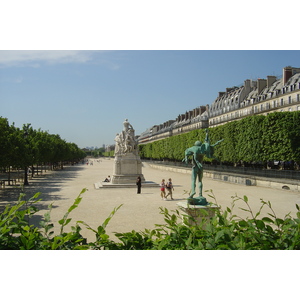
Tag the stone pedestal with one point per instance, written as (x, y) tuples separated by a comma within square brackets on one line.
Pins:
[(195, 214), (127, 167)]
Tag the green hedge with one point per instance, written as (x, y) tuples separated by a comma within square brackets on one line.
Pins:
[(252, 139), (224, 231), (109, 153)]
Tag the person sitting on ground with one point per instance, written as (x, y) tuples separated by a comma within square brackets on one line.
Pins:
[(107, 179)]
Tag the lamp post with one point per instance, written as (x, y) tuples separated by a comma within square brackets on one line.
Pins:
[(26, 169)]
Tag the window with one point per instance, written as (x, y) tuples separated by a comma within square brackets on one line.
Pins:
[(281, 101), (290, 99)]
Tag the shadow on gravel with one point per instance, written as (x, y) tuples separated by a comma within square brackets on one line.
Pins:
[(46, 184)]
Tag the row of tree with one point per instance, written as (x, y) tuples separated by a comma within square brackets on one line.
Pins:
[(26, 147), (252, 139)]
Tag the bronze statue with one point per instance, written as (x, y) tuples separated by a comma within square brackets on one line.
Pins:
[(198, 151)]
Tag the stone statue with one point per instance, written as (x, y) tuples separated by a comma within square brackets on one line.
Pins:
[(127, 162), (125, 141), (118, 146), (198, 151)]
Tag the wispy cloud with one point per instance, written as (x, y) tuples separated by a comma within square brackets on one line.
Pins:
[(34, 58)]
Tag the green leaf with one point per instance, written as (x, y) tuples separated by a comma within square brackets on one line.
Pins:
[(72, 207), (278, 221), (260, 224), (219, 235), (243, 223), (266, 219), (68, 221)]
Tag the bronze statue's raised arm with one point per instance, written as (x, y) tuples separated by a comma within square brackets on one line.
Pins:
[(217, 143)]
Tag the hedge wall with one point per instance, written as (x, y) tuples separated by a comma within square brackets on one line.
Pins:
[(252, 139)]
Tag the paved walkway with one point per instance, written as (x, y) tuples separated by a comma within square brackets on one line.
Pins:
[(139, 211)]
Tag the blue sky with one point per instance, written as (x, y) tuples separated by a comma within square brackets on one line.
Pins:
[(84, 96), (147, 61)]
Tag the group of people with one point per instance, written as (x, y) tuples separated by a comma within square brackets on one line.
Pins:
[(166, 189), (166, 186)]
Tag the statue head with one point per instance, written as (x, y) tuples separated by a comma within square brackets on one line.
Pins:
[(198, 143)]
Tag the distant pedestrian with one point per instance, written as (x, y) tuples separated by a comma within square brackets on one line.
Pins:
[(107, 179), (139, 184), (170, 189), (163, 190)]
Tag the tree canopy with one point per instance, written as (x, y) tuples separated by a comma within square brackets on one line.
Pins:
[(28, 146)]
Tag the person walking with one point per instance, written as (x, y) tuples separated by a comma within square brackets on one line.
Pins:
[(163, 190), (139, 184), (170, 189)]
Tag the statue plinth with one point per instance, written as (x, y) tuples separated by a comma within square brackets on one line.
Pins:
[(127, 167), (197, 214), (197, 200)]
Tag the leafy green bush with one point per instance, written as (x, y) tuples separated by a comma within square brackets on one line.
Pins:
[(16, 232), (224, 231)]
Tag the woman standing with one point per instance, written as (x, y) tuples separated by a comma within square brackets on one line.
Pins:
[(139, 184), (163, 190)]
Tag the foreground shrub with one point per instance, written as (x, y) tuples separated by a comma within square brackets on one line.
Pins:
[(224, 231)]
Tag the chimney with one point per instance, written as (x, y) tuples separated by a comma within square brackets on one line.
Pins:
[(247, 85), (221, 94), (261, 84), (253, 84), (287, 74), (270, 80), (202, 109)]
